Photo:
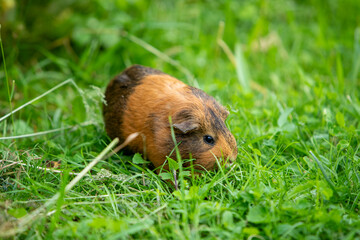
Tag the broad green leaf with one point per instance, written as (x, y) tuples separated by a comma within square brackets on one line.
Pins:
[(227, 219), (342, 144), (177, 194), (173, 165), (21, 127), (300, 189), (283, 228), (110, 224), (78, 109), (140, 225), (283, 117), (185, 174), (325, 190), (137, 159), (257, 151), (251, 231), (193, 192), (340, 119), (258, 214), (17, 212), (165, 175)]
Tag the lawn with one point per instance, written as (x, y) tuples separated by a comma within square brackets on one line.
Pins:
[(287, 70)]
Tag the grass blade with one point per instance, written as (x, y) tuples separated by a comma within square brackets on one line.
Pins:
[(162, 56), (331, 184), (48, 131), (241, 68), (26, 220), (356, 57), (35, 99)]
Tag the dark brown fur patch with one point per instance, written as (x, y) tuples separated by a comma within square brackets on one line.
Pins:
[(201, 94), (117, 93), (138, 72), (216, 122)]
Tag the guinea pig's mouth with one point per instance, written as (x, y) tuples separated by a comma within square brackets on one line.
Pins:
[(211, 162), (227, 162), (223, 162)]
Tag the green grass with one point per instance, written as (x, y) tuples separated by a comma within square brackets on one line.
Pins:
[(288, 71)]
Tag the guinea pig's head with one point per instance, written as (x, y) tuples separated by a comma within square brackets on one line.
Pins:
[(200, 130)]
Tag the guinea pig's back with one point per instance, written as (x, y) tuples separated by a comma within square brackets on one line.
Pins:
[(117, 94), (153, 98)]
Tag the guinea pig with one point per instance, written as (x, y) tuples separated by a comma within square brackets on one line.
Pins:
[(141, 99)]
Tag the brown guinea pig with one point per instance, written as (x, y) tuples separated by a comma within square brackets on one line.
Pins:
[(141, 99)]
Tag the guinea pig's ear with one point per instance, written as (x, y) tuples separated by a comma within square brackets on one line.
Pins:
[(186, 126), (185, 121), (224, 113)]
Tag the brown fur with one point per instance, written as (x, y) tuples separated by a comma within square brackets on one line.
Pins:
[(141, 99)]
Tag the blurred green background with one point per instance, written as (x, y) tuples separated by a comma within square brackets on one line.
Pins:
[(87, 36), (282, 42)]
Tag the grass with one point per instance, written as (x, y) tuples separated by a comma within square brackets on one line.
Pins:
[(288, 71)]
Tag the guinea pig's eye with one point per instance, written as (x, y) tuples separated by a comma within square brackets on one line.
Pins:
[(209, 139)]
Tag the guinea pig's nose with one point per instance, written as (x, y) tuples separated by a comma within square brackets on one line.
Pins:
[(233, 155), (230, 160)]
